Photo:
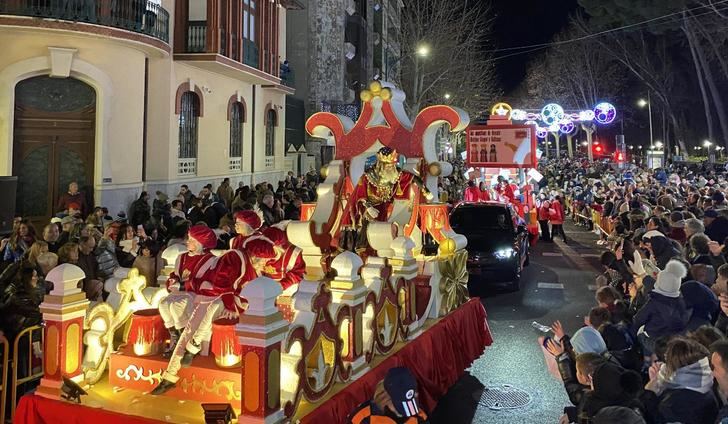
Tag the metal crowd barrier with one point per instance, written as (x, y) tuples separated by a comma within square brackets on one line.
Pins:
[(28, 375), (4, 351)]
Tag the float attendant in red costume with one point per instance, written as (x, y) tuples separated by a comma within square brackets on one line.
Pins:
[(247, 225), (378, 188), (213, 288), (288, 266)]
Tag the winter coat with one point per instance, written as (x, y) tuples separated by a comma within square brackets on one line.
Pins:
[(661, 316), (663, 250), (557, 217), (610, 389), (717, 230), (19, 308), (140, 212), (106, 258), (78, 201), (225, 194), (701, 301), (686, 397)]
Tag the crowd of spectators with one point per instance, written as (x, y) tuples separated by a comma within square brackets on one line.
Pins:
[(99, 243), (653, 347)]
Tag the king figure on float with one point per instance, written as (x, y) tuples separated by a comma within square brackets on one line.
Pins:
[(376, 191)]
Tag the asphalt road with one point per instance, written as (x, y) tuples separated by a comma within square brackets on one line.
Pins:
[(556, 286)]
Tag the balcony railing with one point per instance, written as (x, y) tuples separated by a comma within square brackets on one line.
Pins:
[(144, 17), (187, 166), (236, 164)]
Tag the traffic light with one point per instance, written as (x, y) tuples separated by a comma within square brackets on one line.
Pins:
[(598, 149), (620, 157)]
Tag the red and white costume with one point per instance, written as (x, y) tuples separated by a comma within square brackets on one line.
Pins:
[(288, 267), (212, 285), (250, 219)]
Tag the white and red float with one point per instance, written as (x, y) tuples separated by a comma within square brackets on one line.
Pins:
[(316, 350)]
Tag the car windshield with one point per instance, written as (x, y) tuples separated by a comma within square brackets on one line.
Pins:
[(481, 219)]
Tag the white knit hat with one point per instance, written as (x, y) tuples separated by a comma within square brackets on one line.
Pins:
[(669, 279)]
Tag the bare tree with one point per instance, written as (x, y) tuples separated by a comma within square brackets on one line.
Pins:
[(444, 54)]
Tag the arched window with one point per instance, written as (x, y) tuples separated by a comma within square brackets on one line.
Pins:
[(237, 117), (188, 116), (270, 132)]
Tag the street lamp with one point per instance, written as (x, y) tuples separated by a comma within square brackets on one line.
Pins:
[(707, 145), (642, 103), (423, 50), (659, 144), (447, 96)]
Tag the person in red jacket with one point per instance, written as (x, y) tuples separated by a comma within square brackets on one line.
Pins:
[(472, 194), (212, 287), (556, 216), (288, 266), (247, 224), (484, 192), (504, 189), (543, 205)]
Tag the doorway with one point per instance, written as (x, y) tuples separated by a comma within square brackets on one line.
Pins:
[(53, 143)]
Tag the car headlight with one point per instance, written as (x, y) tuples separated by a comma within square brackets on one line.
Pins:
[(506, 253)]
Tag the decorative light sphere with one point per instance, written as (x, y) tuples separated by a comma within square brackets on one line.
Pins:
[(604, 113), (541, 132), (586, 115), (566, 126), (552, 114), (518, 115)]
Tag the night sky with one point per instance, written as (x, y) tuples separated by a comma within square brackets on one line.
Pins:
[(525, 22)]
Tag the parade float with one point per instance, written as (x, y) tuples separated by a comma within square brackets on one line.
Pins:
[(385, 285)]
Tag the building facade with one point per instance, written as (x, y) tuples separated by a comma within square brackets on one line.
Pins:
[(133, 95), (335, 47)]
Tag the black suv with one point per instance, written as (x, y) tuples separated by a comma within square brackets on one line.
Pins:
[(497, 245)]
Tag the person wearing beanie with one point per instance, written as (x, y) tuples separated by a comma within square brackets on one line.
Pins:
[(212, 288), (394, 401), (664, 313)]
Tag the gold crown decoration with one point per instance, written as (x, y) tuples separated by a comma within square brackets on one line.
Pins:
[(375, 90), (387, 155)]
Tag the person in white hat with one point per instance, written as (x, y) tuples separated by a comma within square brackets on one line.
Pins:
[(664, 313)]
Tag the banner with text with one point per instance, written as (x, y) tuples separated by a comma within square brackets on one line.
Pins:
[(504, 146)]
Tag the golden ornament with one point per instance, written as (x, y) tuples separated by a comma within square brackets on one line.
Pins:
[(324, 171), (365, 95), (447, 247), (375, 87), (454, 281), (434, 169), (386, 94)]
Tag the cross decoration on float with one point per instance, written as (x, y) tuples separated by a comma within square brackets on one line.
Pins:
[(500, 143)]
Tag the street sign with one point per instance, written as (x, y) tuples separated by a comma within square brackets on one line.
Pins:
[(501, 145)]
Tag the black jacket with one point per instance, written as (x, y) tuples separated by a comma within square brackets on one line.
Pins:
[(140, 212), (661, 316), (681, 406), (717, 230)]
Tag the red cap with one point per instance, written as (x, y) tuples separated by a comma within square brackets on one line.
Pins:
[(249, 217), (204, 235), (260, 248)]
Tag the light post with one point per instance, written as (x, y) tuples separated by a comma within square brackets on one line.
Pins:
[(648, 103), (707, 145), (423, 50)]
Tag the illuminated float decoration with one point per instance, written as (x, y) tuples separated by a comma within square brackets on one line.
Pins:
[(284, 355), (552, 118)]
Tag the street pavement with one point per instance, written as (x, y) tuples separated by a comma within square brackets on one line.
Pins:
[(558, 285)]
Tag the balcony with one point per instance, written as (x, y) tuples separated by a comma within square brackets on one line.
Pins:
[(141, 17), (217, 40)]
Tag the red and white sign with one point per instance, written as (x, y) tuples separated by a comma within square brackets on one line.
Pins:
[(502, 146)]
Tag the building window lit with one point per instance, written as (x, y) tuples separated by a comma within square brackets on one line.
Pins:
[(237, 115), (270, 132), (188, 124)]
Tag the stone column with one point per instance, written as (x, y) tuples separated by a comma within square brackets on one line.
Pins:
[(261, 331), (64, 311), (348, 288)]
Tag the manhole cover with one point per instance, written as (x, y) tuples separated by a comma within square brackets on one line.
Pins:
[(505, 397)]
